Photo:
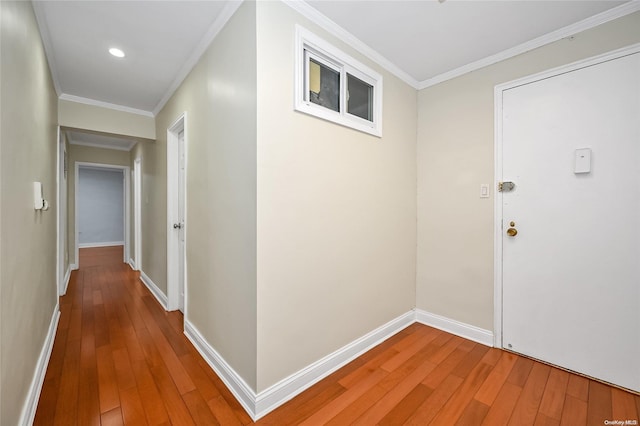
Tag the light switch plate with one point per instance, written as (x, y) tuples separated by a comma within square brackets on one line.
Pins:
[(583, 161), (484, 190)]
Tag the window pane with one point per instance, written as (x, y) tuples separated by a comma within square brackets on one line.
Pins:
[(324, 86), (360, 98)]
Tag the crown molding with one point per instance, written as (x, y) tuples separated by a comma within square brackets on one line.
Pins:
[(585, 24), (93, 102), (225, 15), (45, 36), (306, 10)]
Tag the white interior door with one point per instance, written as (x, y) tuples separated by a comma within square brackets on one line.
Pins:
[(571, 275), (176, 214), (181, 218)]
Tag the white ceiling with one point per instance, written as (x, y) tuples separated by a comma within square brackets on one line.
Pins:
[(158, 38), (420, 41), (428, 38)]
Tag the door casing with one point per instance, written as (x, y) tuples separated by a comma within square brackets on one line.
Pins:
[(62, 268), (137, 215)]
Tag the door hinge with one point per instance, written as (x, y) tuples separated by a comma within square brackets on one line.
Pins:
[(506, 186)]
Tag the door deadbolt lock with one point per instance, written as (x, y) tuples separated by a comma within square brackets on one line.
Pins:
[(506, 186)]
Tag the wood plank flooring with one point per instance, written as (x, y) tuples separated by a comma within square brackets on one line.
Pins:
[(119, 358)]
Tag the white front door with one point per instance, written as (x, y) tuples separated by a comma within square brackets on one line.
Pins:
[(571, 274)]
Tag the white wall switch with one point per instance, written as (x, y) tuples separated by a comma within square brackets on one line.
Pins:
[(484, 190), (583, 161)]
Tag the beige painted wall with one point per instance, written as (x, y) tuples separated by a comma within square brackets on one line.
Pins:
[(86, 154), (219, 96), (99, 119), (336, 212), (28, 135), (455, 155), (153, 156)]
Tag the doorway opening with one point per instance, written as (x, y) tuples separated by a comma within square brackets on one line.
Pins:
[(102, 207)]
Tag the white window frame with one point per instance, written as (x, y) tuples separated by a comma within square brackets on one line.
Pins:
[(309, 45)]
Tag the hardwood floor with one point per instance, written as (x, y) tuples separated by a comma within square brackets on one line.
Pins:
[(119, 358)]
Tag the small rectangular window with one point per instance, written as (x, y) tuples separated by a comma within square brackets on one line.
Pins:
[(324, 85), (333, 86)]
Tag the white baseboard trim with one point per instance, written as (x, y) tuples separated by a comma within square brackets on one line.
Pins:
[(105, 244), (132, 264), (153, 288), (33, 396), (458, 328), (74, 267), (281, 392), (67, 276), (258, 405), (234, 382)]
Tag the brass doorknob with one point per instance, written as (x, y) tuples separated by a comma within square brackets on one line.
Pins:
[(512, 232)]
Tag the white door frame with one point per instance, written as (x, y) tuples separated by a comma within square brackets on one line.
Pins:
[(137, 215), (127, 202), (62, 271), (498, 220), (173, 239)]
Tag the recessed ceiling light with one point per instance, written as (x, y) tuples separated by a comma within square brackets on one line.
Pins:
[(116, 52)]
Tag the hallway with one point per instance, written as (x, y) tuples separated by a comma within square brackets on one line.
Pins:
[(120, 358)]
